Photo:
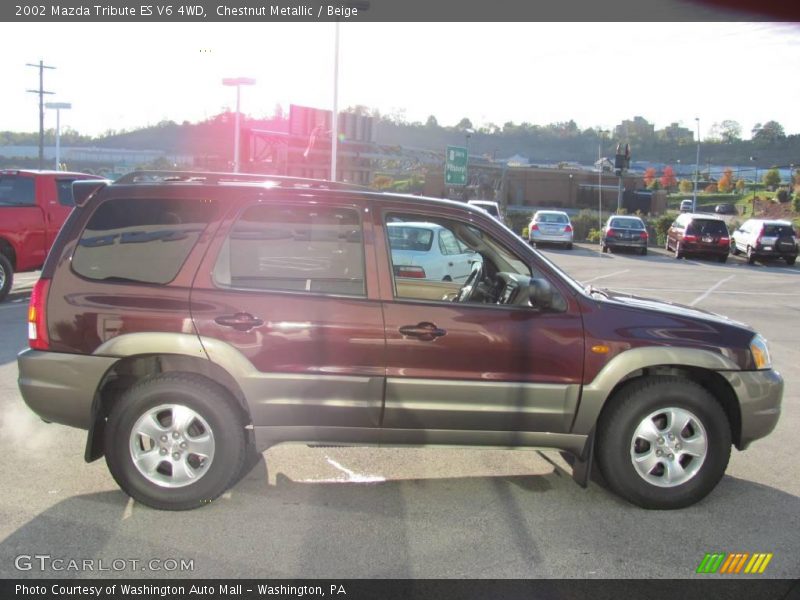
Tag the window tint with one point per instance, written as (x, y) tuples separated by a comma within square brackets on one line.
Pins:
[(145, 240), (64, 190), (17, 190), (294, 248), (627, 224), (703, 226), (778, 231)]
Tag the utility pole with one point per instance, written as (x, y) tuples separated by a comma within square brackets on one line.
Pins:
[(41, 66)]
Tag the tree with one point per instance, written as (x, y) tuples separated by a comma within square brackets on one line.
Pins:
[(772, 178), (740, 185), (725, 183), (431, 122), (649, 176), (685, 186), (464, 123), (769, 132), (727, 131), (668, 179)]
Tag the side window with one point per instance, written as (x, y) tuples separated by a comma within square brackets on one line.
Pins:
[(312, 248), (448, 243), (64, 191), (144, 240), (17, 190)]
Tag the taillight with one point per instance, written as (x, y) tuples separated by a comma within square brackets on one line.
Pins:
[(643, 235), (568, 229), (410, 271), (725, 240), (37, 316), (690, 238), (611, 233), (535, 227)]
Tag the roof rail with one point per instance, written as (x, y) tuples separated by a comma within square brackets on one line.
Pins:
[(217, 178)]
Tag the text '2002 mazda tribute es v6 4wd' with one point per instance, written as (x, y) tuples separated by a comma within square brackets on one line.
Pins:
[(186, 320)]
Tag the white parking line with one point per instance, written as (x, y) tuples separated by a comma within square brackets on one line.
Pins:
[(604, 276), (710, 290), (685, 291)]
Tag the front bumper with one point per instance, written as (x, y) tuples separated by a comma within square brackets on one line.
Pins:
[(60, 387), (759, 394)]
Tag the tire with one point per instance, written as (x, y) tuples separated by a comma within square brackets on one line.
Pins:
[(604, 248), (6, 276), (723, 258), (643, 252), (640, 409), (751, 257), (734, 250), (569, 246), (208, 412), (790, 260)]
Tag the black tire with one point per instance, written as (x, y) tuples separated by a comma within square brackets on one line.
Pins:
[(751, 257), (6, 276), (207, 399), (604, 248), (790, 260), (643, 252), (723, 258), (631, 406), (569, 246), (734, 250)]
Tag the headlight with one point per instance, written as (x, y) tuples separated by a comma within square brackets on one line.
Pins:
[(760, 352)]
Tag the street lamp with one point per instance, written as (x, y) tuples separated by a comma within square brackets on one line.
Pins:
[(755, 182), (600, 182), (238, 82), (696, 167), (58, 106)]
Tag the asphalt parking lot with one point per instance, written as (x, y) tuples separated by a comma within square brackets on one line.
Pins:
[(422, 513)]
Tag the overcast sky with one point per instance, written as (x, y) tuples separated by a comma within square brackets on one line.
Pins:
[(120, 75)]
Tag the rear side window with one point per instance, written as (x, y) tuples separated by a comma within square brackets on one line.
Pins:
[(17, 190), (411, 237), (145, 241), (64, 190), (312, 249), (701, 227)]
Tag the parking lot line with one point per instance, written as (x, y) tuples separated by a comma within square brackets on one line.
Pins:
[(685, 291), (604, 276), (710, 290)]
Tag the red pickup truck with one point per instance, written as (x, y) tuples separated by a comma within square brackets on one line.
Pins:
[(33, 206)]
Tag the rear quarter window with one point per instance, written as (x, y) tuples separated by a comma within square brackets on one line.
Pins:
[(142, 240), (17, 190)]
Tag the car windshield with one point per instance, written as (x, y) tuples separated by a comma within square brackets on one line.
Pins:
[(627, 224), (551, 218), (417, 239)]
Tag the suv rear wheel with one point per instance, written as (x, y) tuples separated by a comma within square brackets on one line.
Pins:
[(6, 276), (663, 443), (175, 441)]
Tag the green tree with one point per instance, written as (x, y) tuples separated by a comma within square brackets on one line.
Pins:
[(772, 178), (431, 122), (464, 123), (769, 132)]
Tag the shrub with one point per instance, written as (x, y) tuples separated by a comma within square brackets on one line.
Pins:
[(783, 195), (525, 232), (593, 235), (796, 203), (582, 224), (685, 186), (660, 225), (517, 221)]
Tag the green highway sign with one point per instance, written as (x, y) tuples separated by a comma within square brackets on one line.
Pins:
[(455, 166)]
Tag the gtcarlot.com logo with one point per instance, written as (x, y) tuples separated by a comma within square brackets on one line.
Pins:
[(734, 563)]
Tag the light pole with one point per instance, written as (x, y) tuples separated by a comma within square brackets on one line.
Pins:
[(755, 182), (237, 82), (59, 106), (696, 167), (600, 182)]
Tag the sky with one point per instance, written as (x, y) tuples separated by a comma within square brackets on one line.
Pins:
[(129, 75)]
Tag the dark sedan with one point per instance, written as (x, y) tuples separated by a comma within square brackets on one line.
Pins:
[(624, 232)]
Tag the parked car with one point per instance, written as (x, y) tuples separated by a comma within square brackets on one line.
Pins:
[(699, 235), (491, 207), (726, 209), (33, 206), (550, 227), (761, 238), (428, 251), (624, 232), (687, 205), (191, 321)]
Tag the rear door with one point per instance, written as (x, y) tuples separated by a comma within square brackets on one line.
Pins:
[(284, 293), (779, 238)]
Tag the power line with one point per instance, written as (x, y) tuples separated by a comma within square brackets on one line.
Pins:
[(41, 91)]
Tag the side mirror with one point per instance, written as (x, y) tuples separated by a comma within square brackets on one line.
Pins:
[(540, 293)]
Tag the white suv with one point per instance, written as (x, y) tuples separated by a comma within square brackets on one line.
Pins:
[(759, 238)]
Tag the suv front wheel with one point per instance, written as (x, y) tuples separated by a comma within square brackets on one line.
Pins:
[(175, 441), (663, 442)]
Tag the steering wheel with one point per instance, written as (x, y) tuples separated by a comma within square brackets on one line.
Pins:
[(469, 291)]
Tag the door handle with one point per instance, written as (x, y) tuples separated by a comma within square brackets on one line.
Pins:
[(240, 321), (450, 264), (425, 331)]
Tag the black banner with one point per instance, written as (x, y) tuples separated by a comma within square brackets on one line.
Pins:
[(388, 589), (148, 11)]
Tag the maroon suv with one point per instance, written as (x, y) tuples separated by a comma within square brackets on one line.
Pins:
[(186, 319)]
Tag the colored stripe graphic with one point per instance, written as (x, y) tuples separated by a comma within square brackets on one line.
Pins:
[(733, 562)]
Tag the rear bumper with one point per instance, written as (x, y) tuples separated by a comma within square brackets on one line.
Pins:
[(702, 250), (623, 243), (760, 394), (59, 387), (548, 238)]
